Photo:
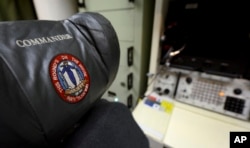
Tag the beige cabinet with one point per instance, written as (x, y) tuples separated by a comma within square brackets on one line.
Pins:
[(132, 20)]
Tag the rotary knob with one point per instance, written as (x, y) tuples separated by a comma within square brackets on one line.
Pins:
[(237, 91), (189, 80), (166, 91), (158, 89)]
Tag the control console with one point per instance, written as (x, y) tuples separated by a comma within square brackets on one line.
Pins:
[(165, 83), (224, 95)]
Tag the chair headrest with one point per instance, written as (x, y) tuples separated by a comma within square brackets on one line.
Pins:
[(51, 72)]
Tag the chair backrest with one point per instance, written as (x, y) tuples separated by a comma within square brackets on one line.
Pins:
[(51, 73)]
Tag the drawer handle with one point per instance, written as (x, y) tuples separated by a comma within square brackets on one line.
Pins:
[(130, 81), (130, 101), (130, 56)]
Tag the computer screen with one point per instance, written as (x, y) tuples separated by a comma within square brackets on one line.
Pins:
[(216, 36)]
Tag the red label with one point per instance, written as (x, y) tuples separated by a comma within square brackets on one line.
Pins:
[(69, 77)]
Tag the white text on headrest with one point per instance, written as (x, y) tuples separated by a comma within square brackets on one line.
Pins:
[(42, 40)]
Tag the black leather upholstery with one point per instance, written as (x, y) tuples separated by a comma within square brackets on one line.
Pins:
[(107, 125), (51, 73)]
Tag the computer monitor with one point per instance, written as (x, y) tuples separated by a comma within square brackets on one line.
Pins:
[(216, 35)]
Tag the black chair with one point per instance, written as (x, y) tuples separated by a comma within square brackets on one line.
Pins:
[(53, 75)]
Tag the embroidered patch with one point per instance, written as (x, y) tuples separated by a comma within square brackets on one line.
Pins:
[(69, 77)]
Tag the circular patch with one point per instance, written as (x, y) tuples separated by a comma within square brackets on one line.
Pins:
[(69, 77)]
